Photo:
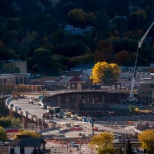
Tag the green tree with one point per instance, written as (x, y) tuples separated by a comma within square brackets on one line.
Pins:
[(3, 109), (7, 54), (16, 122), (3, 134), (137, 19), (71, 48), (80, 18), (5, 121), (87, 58), (131, 108), (101, 21), (13, 24), (42, 57)]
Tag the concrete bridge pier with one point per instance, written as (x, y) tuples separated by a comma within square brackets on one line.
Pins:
[(68, 103), (77, 104), (25, 122), (41, 124), (59, 102), (11, 113)]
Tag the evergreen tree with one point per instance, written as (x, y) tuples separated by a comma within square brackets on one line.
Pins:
[(129, 148)]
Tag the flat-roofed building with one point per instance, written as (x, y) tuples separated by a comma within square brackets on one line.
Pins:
[(22, 78), (6, 78), (21, 64)]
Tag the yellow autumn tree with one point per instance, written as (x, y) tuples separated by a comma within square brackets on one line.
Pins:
[(147, 139), (103, 143), (104, 72), (29, 133)]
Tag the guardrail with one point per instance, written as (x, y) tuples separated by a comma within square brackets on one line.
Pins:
[(29, 116)]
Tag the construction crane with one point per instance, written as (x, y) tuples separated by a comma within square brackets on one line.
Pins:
[(131, 97)]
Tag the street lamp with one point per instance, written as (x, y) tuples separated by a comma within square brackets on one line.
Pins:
[(92, 125)]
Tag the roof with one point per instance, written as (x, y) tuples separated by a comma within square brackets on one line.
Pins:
[(76, 79), (36, 83), (27, 142), (65, 79), (83, 66)]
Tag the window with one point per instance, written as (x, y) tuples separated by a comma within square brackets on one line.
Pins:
[(17, 82), (25, 81), (20, 80)]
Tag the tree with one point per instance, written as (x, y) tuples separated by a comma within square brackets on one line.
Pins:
[(79, 17), (137, 19), (5, 121), (16, 122), (29, 133), (104, 51), (122, 57), (103, 142), (147, 139), (106, 73), (131, 108), (3, 134), (129, 148)]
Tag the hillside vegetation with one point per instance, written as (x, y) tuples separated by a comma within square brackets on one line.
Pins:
[(35, 30)]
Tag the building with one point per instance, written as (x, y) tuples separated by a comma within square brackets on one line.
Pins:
[(22, 78), (16, 78), (6, 79), (24, 144), (21, 64), (146, 92)]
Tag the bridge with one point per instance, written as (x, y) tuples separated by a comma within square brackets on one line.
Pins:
[(77, 101)]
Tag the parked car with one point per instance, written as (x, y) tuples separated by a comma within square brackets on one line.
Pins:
[(76, 128), (31, 101), (73, 144), (25, 113)]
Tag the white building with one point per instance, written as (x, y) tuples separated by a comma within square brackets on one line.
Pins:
[(23, 144), (21, 64)]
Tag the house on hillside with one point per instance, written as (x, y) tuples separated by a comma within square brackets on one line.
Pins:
[(36, 85), (74, 82)]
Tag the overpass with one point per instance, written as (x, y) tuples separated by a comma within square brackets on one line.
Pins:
[(79, 101), (73, 100)]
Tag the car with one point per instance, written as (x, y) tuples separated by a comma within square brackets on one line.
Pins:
[(19, 109), (25, 113), (73, 144), (11, 106), (31, 101), (116, 141), (76, 128), (15, 108), (44, 106)]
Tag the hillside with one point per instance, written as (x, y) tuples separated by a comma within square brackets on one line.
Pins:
[(55, 35)]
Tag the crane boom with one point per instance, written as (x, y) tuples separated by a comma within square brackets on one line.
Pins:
[(134, 73)]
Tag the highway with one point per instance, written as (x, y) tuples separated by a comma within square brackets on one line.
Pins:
[(34, 109)]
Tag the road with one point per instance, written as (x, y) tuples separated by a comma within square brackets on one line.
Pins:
[(34, 109)]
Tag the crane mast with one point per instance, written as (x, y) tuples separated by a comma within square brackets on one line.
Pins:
[(131, 98)]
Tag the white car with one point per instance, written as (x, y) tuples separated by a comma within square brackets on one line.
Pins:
[(116, 141)]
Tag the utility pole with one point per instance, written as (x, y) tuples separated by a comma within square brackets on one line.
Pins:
[(92, 125)]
